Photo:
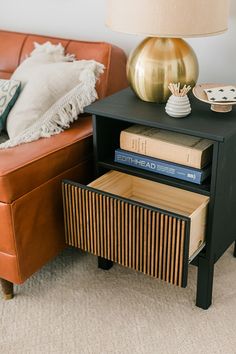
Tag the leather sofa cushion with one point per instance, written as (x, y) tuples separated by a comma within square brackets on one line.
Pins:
[(27, 166)]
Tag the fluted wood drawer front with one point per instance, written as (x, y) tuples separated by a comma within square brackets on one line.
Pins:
[(116, 217)]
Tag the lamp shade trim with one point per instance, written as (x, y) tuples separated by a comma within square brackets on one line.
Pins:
[(174, 36)]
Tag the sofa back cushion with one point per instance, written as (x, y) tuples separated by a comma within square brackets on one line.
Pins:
[(14, 48)]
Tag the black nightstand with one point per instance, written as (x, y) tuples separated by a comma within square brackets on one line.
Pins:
[(102, 219)]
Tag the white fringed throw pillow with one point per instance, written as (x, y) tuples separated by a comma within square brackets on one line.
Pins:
[(55, 91)]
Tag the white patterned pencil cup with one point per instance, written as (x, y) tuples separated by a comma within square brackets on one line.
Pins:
[(178, 105)]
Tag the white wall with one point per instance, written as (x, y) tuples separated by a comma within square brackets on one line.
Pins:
[(84, 19)]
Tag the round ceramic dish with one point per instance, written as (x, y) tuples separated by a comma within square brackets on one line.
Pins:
[(200, 94)]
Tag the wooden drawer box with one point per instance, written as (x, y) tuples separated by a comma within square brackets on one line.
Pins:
[(141, 224)]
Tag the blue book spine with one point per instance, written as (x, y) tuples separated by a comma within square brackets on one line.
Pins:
[(162, 167)]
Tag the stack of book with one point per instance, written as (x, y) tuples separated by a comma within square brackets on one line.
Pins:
[(168, 153)]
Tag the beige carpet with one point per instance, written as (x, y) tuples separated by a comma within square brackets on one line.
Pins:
[(70, 306)]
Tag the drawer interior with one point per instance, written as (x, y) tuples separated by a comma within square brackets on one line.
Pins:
[(155, 194)]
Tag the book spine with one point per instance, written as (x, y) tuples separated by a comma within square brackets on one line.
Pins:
[(148, 146), (161, 167)]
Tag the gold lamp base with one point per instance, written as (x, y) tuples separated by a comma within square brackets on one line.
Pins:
[(158, 61)]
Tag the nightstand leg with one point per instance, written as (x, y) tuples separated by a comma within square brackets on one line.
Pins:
[(104, 264), (7, 288), (235, 249), (204, 283)]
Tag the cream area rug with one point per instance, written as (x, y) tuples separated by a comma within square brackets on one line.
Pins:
[(71, 306)]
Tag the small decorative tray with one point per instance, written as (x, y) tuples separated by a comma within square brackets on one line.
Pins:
[(211, 94)]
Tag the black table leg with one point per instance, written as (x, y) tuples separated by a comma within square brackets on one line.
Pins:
[(204, 283), (104, 264)]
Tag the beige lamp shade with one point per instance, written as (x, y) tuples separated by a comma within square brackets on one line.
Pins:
[(168, 18)]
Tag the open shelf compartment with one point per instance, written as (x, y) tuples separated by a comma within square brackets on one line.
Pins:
[(107, 140)]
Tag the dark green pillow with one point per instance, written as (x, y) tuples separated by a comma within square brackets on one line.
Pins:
[(9, 91)]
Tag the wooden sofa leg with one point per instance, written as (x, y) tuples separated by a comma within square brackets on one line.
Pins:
[(7, 288)]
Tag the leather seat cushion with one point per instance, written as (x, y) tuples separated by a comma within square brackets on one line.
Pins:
[(27, 166)]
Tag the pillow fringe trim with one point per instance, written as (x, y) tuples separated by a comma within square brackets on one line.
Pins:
[(63, 112)]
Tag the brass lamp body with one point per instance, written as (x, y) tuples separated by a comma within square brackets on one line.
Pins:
[(158, 61)]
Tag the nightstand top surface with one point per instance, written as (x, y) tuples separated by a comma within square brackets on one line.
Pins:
[(202, 122)]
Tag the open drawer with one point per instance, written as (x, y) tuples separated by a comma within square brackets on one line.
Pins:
[(141, 224)]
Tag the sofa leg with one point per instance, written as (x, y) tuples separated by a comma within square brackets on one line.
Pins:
[(7, 288)]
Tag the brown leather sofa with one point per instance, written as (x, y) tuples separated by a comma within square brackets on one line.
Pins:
[(31, 218)]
